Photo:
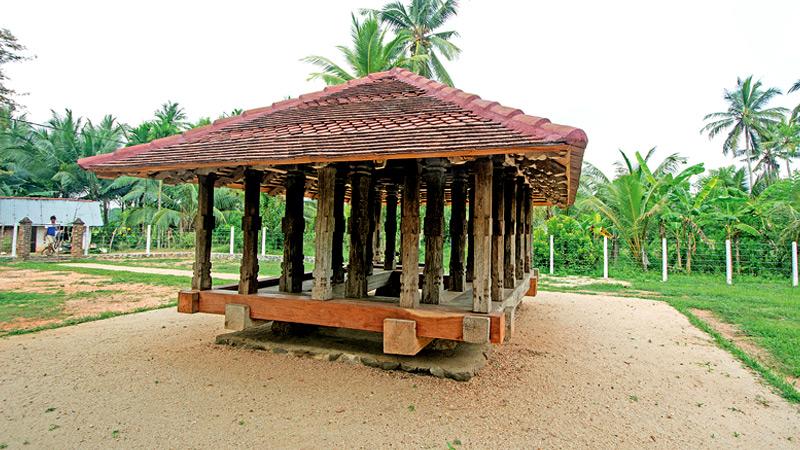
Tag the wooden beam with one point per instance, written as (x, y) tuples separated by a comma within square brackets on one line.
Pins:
[(481, 282), (390, 228), (498, 230), (356, 284), (400, 337), (337, 258), (251, 226), (432, 321), (323, 235), (519, 263), (458, 229), (203, 227), (293, 227), (409, 241), (433, 273), (511, 227), (471, 232)]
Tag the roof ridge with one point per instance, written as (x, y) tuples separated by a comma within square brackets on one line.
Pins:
[(516, 119)]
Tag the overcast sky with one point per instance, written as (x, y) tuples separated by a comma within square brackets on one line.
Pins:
[(632, 74)]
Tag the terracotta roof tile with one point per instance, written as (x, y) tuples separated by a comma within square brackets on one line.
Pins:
[(385, 115)]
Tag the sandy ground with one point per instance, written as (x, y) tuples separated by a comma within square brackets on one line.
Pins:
[(581, 371), (109, 297), (153, 270)]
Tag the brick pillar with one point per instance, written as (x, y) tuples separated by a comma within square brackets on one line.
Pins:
[(78, 231), (24, 236)]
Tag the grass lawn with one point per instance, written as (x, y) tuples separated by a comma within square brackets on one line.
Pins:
[(265, 268), (768, 311)]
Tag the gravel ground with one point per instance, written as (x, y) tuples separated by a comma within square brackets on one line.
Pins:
[(581, 371)]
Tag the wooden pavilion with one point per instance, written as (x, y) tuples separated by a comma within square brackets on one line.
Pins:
[(386, 139)]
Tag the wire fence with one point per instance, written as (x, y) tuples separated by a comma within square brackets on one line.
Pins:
[(579, 254)]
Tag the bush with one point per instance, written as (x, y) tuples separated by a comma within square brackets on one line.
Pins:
[(575, 250)]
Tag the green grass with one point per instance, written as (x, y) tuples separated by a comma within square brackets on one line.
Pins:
[(266, 268), (768, 311), (25, 305)]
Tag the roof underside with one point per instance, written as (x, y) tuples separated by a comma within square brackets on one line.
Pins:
[(386, 116)]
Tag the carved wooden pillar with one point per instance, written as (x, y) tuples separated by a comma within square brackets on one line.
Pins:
[(458, 229), (370, 243), (433, 273), (512, 227), (251, 225), (203, 226), (519, 263), (293, 227), (323, 234), (471, 232), (337, 257), (482, 230), (377, 249), (356, 284), (528, 210), (390, 227), (409, 241), (498, 230)]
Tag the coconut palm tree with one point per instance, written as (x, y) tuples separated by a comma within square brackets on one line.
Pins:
[(369, 53), (782, 139), (747, 116), (419, 23)]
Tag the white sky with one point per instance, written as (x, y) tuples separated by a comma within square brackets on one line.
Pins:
[(632, 74)]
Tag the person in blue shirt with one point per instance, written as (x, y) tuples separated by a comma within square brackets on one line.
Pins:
[(50, 235)]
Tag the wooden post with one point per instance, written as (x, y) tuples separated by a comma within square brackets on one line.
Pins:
[(203, 226), (356, 284), (433, 273), (293, 227), (377, 206), (409, 242), (369, 246), (513, 228), (470, 233), (458, 229), (251, 224), (390, 228), (519, 264), (481, 282), (527, 208), (323, 234), (498, 230), (337, 258)]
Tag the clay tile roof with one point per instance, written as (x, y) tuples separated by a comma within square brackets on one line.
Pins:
[(387, 115)]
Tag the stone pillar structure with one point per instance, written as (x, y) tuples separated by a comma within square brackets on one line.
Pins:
[(24, 236), (78, 232)]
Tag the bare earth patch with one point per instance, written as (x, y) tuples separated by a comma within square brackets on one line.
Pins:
[(578, 281), (740, 338), (87, 295), (582, 371)]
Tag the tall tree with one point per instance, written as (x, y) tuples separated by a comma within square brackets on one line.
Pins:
[(10, 51), (369, 53), (747, 116), (420, 22), (782, 140)]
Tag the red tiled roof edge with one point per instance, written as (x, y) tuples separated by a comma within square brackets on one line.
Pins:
[(199, 132), (536, 127)]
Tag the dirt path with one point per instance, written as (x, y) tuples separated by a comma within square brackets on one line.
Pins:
[(153, 270), (582, 371)]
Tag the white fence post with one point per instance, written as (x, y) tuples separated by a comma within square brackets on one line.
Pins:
[(794, 263), (232, 236), (264, 241), (663, 259), (87, 239), (605, 257), (14, 241), (728, 262), (551, 254), (147, 245)]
